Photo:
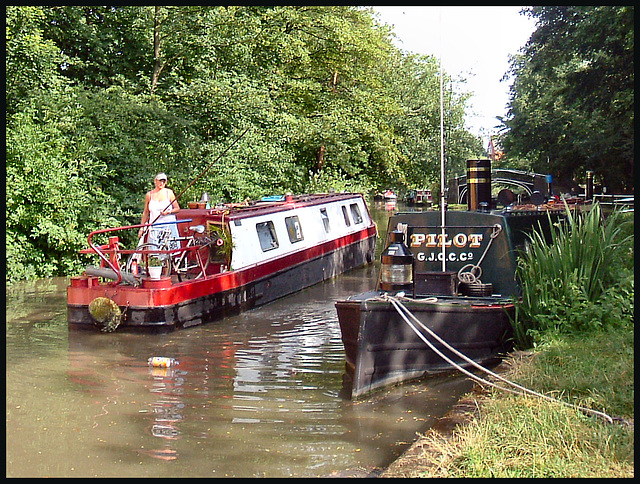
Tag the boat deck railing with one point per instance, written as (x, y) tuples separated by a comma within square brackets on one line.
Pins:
[(110, 254), (625, 202)]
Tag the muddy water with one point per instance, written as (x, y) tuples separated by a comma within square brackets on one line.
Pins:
[(256, 395)]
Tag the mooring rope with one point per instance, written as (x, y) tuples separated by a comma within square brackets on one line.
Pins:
[(472, 276), (403, 311)]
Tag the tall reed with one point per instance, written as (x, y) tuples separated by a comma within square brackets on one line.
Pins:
[(563, 281)]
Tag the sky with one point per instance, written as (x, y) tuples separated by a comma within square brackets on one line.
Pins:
[(474, 42)]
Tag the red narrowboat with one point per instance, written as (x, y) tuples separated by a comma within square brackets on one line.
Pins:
[(226, 259)]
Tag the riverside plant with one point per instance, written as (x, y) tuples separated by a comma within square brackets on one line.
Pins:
[(573, 283)]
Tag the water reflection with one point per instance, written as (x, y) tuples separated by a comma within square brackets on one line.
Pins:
[(255, 395), (167, 411)]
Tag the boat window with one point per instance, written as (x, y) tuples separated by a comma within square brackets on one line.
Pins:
[(325, 220), (355, 213), (346, 215), (294, 229), (267, 235)]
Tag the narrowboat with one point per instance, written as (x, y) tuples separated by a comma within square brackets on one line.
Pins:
[(389, 195), (423, 312), (419, 197), (447, 289), (226, 259)]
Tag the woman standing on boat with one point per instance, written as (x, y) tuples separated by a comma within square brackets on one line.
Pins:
[(159, 208)]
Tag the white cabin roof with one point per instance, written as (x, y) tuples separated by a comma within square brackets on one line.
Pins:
[(266, 236)]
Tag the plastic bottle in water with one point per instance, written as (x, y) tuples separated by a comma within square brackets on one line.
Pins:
[(162, 362)]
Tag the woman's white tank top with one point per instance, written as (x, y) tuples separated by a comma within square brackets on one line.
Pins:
[(155, 209)]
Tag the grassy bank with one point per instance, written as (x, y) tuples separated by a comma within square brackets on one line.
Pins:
[(518, 436)]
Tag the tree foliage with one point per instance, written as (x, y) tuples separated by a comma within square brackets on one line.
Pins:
[(99, 98), (572, 105)]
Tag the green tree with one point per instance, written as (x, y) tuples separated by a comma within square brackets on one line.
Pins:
[(31, 60), (571, 106), (100, 98), (53, 195), (412, 83), (100, 46)]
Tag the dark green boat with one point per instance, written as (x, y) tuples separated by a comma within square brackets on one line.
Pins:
[(467, 301)]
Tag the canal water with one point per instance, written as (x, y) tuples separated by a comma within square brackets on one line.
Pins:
[(254, 395)]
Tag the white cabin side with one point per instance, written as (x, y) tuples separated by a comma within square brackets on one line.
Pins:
[(265, 237)]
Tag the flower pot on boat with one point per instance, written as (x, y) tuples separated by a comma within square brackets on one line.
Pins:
[(154, 268)]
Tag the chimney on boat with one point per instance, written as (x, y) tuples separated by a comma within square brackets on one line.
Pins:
[(478, 184)]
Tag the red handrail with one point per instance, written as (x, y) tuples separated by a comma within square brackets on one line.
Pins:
[(107, 248)]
